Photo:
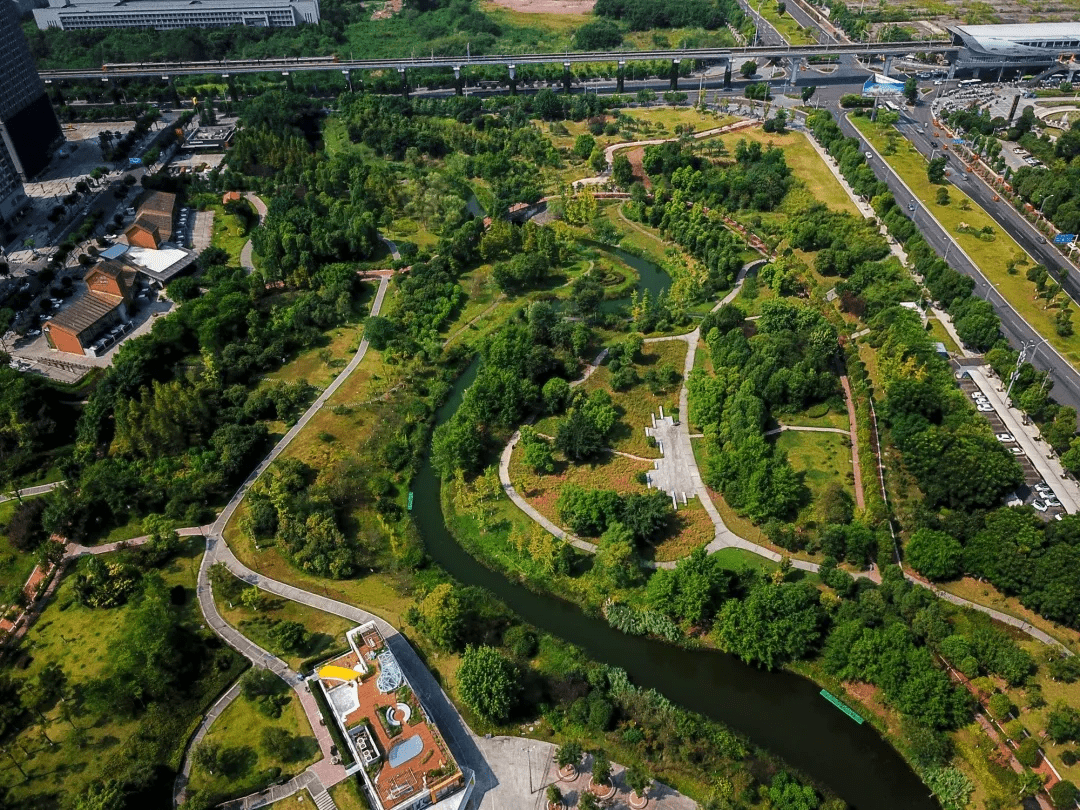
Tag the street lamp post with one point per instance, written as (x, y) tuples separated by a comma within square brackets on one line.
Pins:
[(1044, 199)]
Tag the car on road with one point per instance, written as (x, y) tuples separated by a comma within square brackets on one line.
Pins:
[(869, 155), (1042, 240), (1005, 437), (1039, 506), (911, 206)]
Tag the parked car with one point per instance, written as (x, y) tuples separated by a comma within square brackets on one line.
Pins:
[(1039, 506), (984, 407), (1005, 437), (1016, 451)]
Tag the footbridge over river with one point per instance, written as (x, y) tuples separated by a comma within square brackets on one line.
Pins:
[(288, 65)]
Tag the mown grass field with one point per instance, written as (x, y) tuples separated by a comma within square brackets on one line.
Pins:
[(82, 641), (15, 565), (327, 631), (231, 232), (786, 26), (238, 731), (822, 458), (805, 164), (992, 257)]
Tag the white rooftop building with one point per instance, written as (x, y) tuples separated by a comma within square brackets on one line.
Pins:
[(1027, 46), (165, 14)]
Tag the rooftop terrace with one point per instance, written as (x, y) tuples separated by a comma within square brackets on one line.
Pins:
[(404, 757)]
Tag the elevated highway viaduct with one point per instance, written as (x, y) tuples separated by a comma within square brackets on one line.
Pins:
[(726, 56)]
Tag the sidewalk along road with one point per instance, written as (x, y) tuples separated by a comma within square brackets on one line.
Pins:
[(1018, 331)]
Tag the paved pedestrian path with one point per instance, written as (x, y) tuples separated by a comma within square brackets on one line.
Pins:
[(853, 430), (806, 429), (29, 492), (246, 251), (314, 408)]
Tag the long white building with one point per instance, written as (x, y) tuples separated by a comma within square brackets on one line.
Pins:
[(166, 14), (1028, 46)]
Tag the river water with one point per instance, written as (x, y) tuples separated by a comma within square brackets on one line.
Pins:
[(779, 711)]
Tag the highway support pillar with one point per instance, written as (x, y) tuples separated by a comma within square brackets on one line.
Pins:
[(1012, 109), (457, 79), (888, 65), (348, 79), (675, 74), (567, 77), (404, 82), (230, 81), (288, 80), (1001, 72), (796, 63), (513, 79), (620, 77), (727, 75)]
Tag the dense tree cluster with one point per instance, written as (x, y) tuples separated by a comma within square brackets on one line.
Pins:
[(950, 450), (591, 512), (516, 364), (787, 363), (641, 15), (881, 636)]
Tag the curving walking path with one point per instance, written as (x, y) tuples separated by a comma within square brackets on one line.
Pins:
[(246, 251), (609, 151), (301, 423)]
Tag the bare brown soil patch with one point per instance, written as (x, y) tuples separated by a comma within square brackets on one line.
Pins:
[(548, 6), (389, 9)]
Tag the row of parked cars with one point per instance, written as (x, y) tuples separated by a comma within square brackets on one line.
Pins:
[(1044, 497), (106, 341)]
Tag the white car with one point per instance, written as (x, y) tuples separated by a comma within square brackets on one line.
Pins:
[(1005, 437), (984, 407), (978, 395), (1016, 451), (1039, 506)]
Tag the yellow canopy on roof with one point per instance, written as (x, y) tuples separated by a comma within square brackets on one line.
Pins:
[(340, 673)]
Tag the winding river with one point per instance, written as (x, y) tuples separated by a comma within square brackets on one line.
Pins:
[(779, 711)]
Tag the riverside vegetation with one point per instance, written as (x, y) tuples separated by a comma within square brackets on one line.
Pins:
[(182, 416)]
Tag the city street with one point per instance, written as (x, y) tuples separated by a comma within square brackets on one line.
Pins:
[(1066, 379)]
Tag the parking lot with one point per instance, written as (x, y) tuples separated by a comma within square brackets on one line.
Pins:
[(1045, 486)]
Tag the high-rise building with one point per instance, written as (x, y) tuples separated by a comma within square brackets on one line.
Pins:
[(28, 126), (12, 196)]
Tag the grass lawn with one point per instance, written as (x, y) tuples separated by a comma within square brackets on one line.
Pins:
[(15, 565), (635, 404), (348, 795), (327, 630), (239, 732), (739, 558), (937, 329), (805, 164), (833, 418), (83, 640), (984, 593), (786, 25), (319, 365), (822, 458), (231, 232), (992, 257)]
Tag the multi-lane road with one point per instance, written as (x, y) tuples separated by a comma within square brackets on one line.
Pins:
[(1066, 379)]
